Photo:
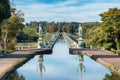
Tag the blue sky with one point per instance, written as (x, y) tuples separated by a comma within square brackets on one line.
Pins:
[(64, 10)]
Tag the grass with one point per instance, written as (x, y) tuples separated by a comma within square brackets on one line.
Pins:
[(26, 44), (113, 52), (31, 44), (110, 52)]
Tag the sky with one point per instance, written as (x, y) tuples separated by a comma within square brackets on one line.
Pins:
[(64, 10)]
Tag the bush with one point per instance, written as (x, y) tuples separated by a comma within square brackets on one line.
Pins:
[(1, 51), (118, 52)]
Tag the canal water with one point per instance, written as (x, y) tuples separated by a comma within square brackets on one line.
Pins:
[(60, 65)]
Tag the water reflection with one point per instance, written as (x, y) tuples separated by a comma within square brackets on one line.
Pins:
[(81, 65), (41, 67), (112, 76), (60, 65), (16, 76)]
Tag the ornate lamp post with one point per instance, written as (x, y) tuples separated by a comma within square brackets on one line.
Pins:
[(40, 40), (80, 40)]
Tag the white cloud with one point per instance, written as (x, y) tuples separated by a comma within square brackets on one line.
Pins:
[(65, 11)]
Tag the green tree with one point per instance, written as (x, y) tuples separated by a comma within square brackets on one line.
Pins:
[(10, 28), (31, 33), (89, 25), (67, 28), (27, 34), (97, 38), (111, 22), (4, 11)]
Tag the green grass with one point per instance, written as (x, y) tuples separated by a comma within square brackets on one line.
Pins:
[(25, 44), (113, 52), (110, 52), (32, 44)]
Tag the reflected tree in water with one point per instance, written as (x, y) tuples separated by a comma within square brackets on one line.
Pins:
[(16, 76), (112, 76)]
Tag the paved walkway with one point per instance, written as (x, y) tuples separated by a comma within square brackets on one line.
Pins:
[(111, 58)]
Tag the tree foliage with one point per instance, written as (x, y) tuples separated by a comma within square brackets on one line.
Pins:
[(97, 38), (27, 34), (53, 27), (111, 24), (10, 27), (67, 28), (106, 34), (4, 9)]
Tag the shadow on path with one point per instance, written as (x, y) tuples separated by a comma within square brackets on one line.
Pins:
[(14, 56), (104, 56)]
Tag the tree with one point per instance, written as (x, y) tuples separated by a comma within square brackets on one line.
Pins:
[(67, 28), (27, 34), (97, 38), (4, 11), (53, 28), (10, 28), (111, 21)]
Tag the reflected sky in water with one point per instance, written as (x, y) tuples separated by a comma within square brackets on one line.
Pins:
[(62, 66)]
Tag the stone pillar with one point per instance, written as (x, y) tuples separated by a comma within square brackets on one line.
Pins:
[(40, 42), (80, 40), (80, 43)]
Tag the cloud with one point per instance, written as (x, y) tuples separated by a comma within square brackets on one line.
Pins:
[(70, 10)]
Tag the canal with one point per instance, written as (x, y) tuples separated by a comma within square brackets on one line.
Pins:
[(60, 65)]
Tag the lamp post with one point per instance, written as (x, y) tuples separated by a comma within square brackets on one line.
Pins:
[(80, 40), (40, 40)]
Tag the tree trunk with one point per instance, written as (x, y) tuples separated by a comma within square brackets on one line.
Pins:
[(118, 43), (5, 42), (0, 35), (0, 32)]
